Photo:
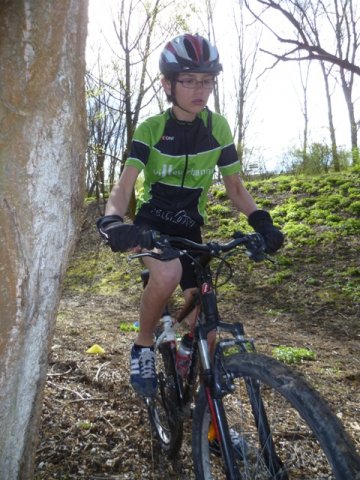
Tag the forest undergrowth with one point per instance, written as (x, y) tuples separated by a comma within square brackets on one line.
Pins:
[(95, 427)]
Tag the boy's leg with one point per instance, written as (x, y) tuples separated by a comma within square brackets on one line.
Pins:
[(191, 319), (164, 278)]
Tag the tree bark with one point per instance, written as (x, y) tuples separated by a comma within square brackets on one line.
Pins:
[(42, 147)]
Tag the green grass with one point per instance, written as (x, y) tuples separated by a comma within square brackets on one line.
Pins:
[(128, 327), (292, 354), (319, 215)]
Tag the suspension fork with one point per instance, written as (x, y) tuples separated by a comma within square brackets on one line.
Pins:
[(214, 396), (209, 320), (218, 418)]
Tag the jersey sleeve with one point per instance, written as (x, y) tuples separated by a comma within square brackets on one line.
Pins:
[(228, 162), (140, 148)]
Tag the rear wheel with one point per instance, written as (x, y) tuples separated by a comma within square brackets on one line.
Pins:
[(280, 428), (163, 408)]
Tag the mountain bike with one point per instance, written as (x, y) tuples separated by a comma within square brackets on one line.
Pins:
[(252, 416)]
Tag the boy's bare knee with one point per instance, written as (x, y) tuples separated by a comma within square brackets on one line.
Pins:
[(165, 276), (172, 276)]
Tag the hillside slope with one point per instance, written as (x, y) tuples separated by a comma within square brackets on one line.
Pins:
[(94, 426)]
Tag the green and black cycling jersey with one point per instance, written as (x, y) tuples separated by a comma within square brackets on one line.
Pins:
[(178, 160)]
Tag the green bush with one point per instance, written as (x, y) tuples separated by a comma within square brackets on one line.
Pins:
[(354, 208), (330, 202), (218, 191), (333, 218), (307, 202), (296, 212), (280, 277), (263, 203), (293, 354), (298, 232), (218, 209), (344, 188), (283, 184), (350, 226)]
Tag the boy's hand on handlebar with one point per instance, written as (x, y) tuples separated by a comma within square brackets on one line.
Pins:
[(121, 236), (148, 239), (262, 223), (118, 235)]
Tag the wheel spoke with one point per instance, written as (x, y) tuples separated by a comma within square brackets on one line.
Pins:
[(297, 438)]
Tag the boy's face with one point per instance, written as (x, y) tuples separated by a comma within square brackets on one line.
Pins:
[(192, 90)]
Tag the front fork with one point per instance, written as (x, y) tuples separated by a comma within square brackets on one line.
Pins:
[(214, 392), (219, 421)]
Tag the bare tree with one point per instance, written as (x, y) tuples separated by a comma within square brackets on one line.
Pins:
[(346, 27), (140, 27), (136, 45), (304, 79), (326, 70), (107, 128), (211, 35), (304, 42), (245, 58), (43, 141)]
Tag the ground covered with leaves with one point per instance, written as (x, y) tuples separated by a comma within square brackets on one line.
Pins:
[(93, 424)]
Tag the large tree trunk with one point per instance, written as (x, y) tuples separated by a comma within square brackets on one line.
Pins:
[(42, 141)]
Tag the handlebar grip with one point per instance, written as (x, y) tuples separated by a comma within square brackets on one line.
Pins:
[(148, 239)]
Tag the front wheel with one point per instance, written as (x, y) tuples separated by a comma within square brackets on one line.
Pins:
[(280, 428)]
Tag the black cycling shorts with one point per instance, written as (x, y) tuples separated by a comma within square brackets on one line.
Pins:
[(188, 279)]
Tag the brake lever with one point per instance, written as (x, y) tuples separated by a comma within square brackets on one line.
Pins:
[(255, 256), (256, 247), (143, 254), (166, 255)]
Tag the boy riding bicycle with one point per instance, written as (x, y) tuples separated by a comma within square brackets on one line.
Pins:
[(177, 151)]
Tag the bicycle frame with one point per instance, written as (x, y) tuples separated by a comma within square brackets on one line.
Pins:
[(221, 367), (208, 321), (212, 385)]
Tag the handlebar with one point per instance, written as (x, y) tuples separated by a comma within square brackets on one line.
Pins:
[(173, 247)]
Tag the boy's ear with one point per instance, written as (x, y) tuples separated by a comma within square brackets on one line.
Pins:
[(166, 85)]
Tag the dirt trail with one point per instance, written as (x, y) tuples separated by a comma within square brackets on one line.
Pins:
[(95, 427)]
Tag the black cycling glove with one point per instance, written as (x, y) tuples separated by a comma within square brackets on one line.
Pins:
[(118, 235), (262, 223), (121, 236), (103, 222)]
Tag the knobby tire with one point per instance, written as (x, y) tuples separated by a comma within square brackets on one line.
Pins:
[(163, 411), (297, 438)]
